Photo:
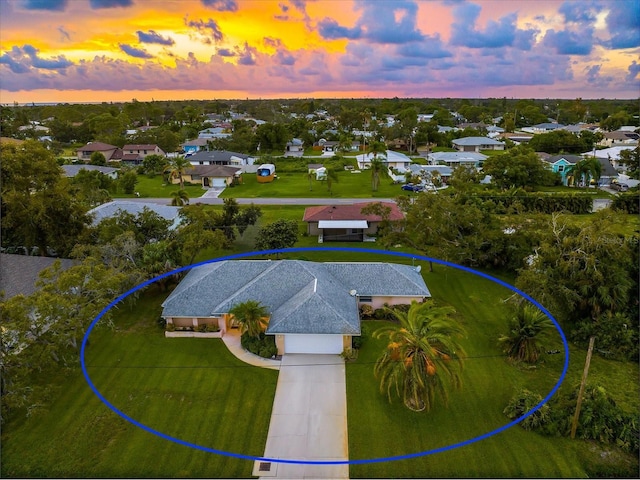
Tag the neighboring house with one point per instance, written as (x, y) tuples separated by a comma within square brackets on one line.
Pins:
[(619, 138), (475, 144), (493, 131), (329, 146), (391, 160), (517, 138), (192, 146), (563, 164), (111, 209), (543, 128), (221, 157), (427, 171), (215, 132), (345, 223), (73, 170), (294, 148), (454, 159), (110, 152), (313, 307), (143, 150), (19, 273), (612, 154), (607, 173), (210, 176)]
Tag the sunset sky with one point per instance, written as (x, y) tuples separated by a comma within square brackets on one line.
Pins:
[(117, 50)]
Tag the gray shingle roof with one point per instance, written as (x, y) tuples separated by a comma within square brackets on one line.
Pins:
[(110, 209), (19, 273), (476, 141), (301, 296), (73, 170)]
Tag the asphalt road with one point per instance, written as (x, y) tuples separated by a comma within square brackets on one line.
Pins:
[(265, 201)]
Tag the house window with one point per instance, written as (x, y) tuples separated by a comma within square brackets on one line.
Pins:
[(561, 168), (365, 299)]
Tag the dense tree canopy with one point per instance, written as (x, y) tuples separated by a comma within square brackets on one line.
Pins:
[(518, 167)]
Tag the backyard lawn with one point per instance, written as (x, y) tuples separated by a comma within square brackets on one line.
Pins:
[(155, 187)]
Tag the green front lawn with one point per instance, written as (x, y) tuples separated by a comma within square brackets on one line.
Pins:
[(297, 185), (156, 188), (191, 389), (379, 429)]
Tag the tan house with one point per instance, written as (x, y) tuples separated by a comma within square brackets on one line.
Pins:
[(142, 150), (110, 152), (210, 176), (313, 307), (346, 223)]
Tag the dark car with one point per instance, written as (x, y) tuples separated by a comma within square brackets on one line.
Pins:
[(413, 188)]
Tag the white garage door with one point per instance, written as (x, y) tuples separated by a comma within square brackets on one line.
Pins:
[(313, 344), (218, 182)]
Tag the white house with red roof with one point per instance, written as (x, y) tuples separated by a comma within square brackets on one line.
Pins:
[(347, 223)]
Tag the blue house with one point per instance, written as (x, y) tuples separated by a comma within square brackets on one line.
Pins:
[(192, 146), (563, 164)]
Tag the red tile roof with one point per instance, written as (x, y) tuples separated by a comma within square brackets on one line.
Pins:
[(348, 212)]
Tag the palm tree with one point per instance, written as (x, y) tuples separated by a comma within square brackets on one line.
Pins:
[(251, 317), (586, 169), (377, 166), (310, 176), (527, 328), (179, 198), (331, 177), (177, 167), (422, 355)]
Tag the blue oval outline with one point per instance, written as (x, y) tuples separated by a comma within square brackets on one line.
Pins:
[(326, 462)]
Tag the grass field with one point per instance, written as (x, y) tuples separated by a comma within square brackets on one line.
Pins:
[(195, 390), (192, 389), (296, 185), (156, 188)]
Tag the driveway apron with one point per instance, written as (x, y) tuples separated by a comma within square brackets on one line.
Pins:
[(309, 419)]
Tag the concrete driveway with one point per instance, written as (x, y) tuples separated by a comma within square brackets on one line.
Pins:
[(308, 420)]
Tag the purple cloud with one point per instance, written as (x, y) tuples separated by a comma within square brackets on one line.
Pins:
[(54, 5), (225, 52), (579, 12), (22, 60), (210, 27), (285, 58), (247, 55), (431, 47), (634, 72), (98, 4), (331, 30), (566, 42), (272, 42), (381, 22), (595, 78), (134, 52), (152, 37), (503, 33), (623, 21), (221, 5)]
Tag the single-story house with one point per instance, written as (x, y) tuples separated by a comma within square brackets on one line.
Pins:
[(562, 164), (543, 127), (110, 209), (612, 154), (313, 307), (517, 138), (209, 176), (391, 160), (475, 144), (73, 170), (221, 157), (294, 148), (607, 172), (221, 131), (454, 159), (346, 223), (619, 137), (142, 150), (192, 146), (110, 152)]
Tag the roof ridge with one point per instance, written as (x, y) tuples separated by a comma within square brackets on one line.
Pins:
[(253, 281)]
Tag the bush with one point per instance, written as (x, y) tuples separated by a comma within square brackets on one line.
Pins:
[(171, 327), (356, 342), (264, 345), (523, 402), (213, 328), (161, 322), (201, 328), (627, 202)]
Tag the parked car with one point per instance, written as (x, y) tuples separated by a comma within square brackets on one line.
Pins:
[(413, 188), (621, 187)]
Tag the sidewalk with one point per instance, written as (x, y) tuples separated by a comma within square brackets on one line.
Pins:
[(232, 340)]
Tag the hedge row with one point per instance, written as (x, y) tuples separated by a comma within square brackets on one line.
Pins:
[(533, 203), (627, 202)]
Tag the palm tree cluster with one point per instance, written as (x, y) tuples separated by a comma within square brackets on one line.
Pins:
[(251, 316), (423, 357)]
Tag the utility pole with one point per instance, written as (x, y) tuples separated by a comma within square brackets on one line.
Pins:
[(587, 362)]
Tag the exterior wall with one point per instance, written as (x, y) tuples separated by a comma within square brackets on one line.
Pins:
[(379, 302), (346, 341), (280, 344)]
